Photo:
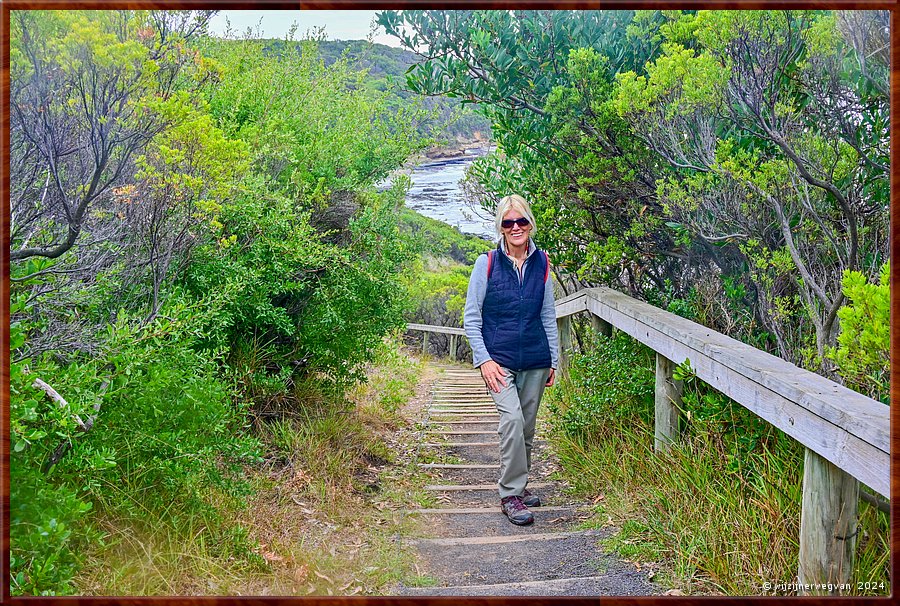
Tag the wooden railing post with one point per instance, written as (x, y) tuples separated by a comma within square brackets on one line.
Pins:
[(424, 342), (453, 348), (828, 525), (601, 326), (564, 325), (668, 401)]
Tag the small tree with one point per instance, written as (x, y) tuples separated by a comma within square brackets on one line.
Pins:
[(86, 93)]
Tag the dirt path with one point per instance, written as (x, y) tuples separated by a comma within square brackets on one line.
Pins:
[(467, 545)]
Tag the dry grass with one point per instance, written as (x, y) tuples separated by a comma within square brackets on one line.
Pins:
[(322, 517), (707, 528)]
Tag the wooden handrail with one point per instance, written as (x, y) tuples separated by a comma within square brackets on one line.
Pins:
[(846, 434), (447, 330), (843, 426), (453, 331)]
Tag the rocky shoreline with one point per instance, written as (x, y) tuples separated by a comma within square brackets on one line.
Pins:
[(459, 150)]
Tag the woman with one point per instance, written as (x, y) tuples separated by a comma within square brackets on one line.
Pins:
[(510, 321)]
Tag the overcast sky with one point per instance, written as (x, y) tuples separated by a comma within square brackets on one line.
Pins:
[(339, 25)]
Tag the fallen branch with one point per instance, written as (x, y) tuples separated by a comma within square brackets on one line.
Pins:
[(874, 500), (84, 426), (54, 395)]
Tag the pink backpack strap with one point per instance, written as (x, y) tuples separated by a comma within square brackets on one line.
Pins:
[(546, 271), (490, 255)]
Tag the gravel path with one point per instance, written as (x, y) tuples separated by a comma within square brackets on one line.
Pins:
[(467, 546)]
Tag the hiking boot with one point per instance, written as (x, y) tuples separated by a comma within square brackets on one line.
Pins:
[(530, 500), (516, 511)]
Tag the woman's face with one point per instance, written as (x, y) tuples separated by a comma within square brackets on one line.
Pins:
[(516, 235)]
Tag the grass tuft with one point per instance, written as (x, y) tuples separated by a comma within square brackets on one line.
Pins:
[(719, 513)]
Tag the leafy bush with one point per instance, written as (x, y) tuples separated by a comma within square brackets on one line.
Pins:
[(441, 240), (747, 438), (613, 379), (862, 355), (319, 306), (439, 293), (167, 433), (310, 126), (46, 521)]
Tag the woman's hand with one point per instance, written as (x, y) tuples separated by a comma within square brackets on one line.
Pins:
[(551, 377), (492, 375)]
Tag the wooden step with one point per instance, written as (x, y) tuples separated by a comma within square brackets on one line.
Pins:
[(466, 422), (502, 539), (464, 433), (463, 411), (478, 510), (462, 487), (462, 395), (466, 413), (452, 444), (459, 466), (571, 586)]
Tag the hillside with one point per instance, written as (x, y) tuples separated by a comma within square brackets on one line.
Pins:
[(387, 66)]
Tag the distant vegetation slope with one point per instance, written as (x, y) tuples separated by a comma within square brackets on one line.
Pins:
[(387, 67)]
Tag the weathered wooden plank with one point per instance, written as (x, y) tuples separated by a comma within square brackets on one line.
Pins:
[(667, 396), (457, 466), (463, 433), (828, 525), (470, 393), (458, 444), (839, 405), (601, 326), (500, 539), (564, 325), (478, 414), (446, 330), (465, 487), (864, 454), (465, 422), (572, 304), (464, 411), (476, 510)]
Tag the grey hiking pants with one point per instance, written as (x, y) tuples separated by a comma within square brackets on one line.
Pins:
[(518, 404)]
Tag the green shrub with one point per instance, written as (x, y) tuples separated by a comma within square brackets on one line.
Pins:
[(613, 379), (862, 355), (746, 438), (319, 307), (46, 522), (167, 436), (441, 240), (438, 292)]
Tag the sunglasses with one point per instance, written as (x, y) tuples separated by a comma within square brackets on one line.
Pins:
[(521, 222)]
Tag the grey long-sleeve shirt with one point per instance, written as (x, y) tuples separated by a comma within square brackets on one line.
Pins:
[(472, 320)]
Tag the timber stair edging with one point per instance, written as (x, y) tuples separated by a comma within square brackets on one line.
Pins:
[(497, 588), (466, 487), (502, 539), (486, 510), (457, 410)]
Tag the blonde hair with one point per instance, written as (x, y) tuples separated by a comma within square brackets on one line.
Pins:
[(513, 202)]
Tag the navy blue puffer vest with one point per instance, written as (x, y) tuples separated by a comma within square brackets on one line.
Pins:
[(511, 313)]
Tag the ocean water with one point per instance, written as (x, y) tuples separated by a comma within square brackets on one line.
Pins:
[(435, 193)]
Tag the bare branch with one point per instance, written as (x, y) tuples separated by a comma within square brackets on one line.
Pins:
[(53, 395)]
